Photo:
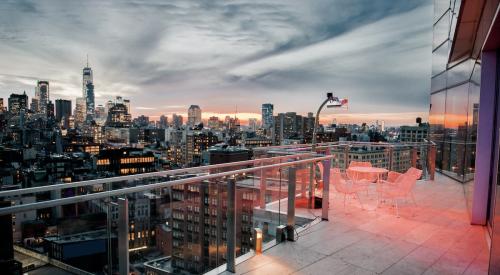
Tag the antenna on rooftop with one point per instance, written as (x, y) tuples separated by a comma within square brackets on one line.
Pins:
[(87, 60)]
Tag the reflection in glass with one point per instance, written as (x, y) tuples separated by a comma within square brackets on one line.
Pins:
[(436, 121), (441, 30), (440, 6), (440, 58)]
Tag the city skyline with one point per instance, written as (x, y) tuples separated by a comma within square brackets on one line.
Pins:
[(285, 51)]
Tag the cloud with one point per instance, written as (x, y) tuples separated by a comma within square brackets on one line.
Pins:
[(220, 54)]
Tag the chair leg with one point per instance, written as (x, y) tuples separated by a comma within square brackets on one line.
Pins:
[(413, 199), (415, 203), (359, 199), (345, 195), (397, 207)]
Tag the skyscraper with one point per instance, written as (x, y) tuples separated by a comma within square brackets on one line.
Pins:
[(194, 115), (80, 111), (163, 121), (63, 111), (126, 102), (88, 92), (267, 115), (18, 102), (252, 124), (90, 102), (100, 112), (177, 121), (42, 94)]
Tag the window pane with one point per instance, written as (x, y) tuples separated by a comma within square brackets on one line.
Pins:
[(440, 6), (438, 82), (439, 59), (441, 30), (460, 72), (436, 116), (456, 113)]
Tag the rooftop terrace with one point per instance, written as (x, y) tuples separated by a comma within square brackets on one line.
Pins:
[(434, 238)]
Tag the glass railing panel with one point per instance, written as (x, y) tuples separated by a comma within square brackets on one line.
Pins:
[(75, 243)]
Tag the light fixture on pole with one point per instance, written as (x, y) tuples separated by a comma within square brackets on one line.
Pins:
[(330, 102)]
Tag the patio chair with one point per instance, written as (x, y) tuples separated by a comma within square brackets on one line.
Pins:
[(401, 188), (346, 186)]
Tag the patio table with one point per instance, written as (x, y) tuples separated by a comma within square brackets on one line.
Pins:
[(368, 170)]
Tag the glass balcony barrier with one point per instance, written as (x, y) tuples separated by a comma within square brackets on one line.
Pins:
[(191, 221)]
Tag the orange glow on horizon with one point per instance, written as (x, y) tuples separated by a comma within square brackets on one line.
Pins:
[(343, 118)]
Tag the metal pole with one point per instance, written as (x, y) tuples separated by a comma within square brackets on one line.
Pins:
[(231, 225), (290, 221), (123, 261), (316, 124), (325, 202), (432, 161), (311, 186), (262, 187)]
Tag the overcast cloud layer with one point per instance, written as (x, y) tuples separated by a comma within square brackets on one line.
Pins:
[(223, 55)]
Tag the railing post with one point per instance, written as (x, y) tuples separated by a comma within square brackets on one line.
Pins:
[(290, 220), (57, 210), (326, 189), (231, 225), (262, 187), (414, 157), (123, 260), (346, 157), (391, 153), (431, 163), (311, 186)]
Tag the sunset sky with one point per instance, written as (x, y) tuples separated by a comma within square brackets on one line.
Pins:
[(226, 55)]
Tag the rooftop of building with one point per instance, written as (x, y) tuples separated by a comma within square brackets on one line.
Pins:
[(86, 236)]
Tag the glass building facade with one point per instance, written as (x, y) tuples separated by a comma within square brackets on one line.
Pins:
[(465, 106), (454, 102)]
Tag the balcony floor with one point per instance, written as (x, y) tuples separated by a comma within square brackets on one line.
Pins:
[(434, 238)]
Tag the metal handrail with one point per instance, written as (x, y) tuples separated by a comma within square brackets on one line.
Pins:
[(59, 186), (343, 143), (105, 194)]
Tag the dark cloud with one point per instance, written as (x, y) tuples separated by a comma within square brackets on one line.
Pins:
[(222, 53)]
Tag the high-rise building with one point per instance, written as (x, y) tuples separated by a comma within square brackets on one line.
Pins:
[(214, 123), (126, 102), (18, 102), (50, 109), (267, 115), (80, 111), (194, 115), (252, 124), (196, 144), (90, 102), (63, 111), (118, 116), (35, 105), (42, 93), (1, 105), (163, 121), (177, 121), (100, 113), (88, 92)]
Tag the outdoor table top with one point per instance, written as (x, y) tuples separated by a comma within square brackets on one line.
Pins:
[(361, 169)]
